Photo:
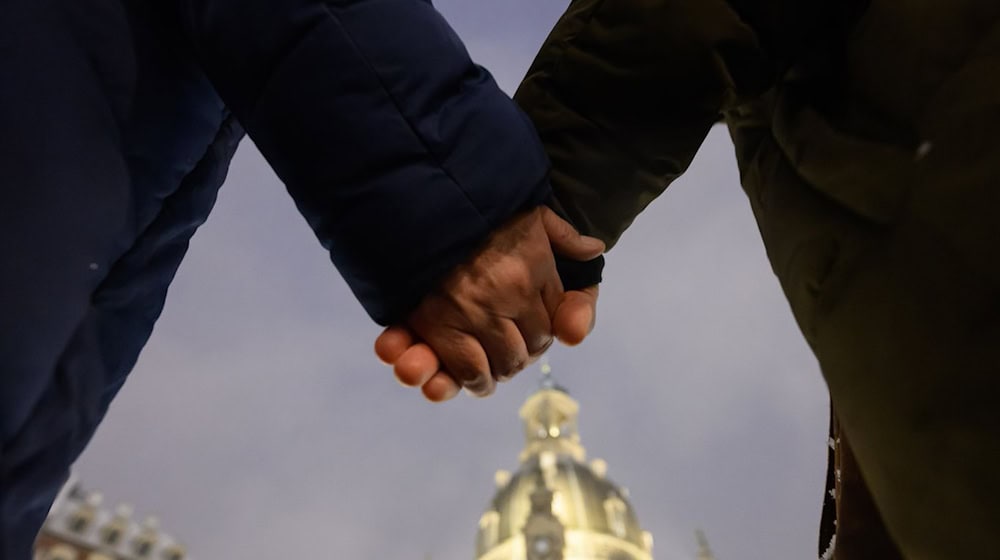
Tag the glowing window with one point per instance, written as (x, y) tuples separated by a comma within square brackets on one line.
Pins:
[(61, 552), (489, 529), (111, 534), (174, 552), (615, 510), (80, 521)]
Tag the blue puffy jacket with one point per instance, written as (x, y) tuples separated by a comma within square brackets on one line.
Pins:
[(118, 119)]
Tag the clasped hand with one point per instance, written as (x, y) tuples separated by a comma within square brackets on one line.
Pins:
[(497, 313)]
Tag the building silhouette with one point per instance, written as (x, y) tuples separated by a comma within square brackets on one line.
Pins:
[(78, 528), (557, 505)]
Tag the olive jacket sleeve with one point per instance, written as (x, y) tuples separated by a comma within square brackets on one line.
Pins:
[(624, 92)]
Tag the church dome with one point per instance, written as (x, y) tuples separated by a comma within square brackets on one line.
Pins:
[(557, 506)]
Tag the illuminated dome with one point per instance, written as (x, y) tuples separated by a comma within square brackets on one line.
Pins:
[(556, 506)]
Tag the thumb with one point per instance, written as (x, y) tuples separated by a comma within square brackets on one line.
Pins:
[(566, 241), (575, 316)]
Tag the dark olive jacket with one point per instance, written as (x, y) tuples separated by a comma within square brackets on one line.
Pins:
[(866, 134)]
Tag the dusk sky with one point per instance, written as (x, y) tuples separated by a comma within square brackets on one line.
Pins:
[(259, 425)]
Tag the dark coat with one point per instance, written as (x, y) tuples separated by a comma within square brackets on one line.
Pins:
[(866, 136), (118, 119)]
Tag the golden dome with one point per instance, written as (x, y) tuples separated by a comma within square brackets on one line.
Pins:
[(556, 506)]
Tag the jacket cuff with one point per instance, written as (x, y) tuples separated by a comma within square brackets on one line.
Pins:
[(575, 275)]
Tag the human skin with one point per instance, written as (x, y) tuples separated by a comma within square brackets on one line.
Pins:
[(495, 314)]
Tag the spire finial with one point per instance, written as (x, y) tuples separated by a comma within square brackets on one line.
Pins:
[(704, 552), (547, 381)]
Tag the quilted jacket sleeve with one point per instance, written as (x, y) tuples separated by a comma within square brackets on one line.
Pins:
[(401, 153), (624, 92)]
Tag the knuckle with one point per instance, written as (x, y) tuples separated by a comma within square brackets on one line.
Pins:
[(479, 385), (511, 365), (514, 271), (512, 371), (540, 344), (564, 234)]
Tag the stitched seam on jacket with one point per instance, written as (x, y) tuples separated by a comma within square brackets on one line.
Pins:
[(436, 158), (279, 61), (970, 56), (187, 24), (729, 90), (555, 65)]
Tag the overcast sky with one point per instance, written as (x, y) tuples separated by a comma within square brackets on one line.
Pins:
[(258, 424)]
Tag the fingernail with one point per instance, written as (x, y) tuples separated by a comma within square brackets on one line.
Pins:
[(594, 242)]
